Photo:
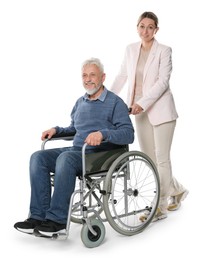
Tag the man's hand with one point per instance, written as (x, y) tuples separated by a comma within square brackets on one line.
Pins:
[(48, 134), (94, 138)]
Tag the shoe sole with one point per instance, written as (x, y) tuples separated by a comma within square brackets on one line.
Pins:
[(51, 234), (159, 218), (27, 231), (38, 234), (30, 232)]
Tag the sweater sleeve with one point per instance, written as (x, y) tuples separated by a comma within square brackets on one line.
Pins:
[(123, 133)]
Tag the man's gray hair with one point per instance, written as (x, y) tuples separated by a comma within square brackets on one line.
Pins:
[(94, 61)]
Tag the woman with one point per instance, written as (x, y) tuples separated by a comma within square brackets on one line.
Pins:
[(147, 66)]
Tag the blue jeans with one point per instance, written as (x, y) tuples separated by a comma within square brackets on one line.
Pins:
[(66, 163)]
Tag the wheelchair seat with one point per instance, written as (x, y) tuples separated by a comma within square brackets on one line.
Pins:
[(101, 161)]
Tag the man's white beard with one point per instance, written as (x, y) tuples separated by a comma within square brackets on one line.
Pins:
[(94, 90)]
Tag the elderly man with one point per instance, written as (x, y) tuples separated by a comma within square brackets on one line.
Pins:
[(98, 115)]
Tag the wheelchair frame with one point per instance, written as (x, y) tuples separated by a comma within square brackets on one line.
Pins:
[(129, 188)]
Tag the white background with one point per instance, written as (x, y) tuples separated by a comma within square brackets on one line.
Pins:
[(42, 46)]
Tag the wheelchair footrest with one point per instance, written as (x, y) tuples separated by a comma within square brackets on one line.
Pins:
[(56, 236)]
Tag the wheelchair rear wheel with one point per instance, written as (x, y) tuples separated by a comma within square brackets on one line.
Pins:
[(131, 188)]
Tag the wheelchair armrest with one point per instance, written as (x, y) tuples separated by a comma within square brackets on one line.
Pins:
[(70, 135), (57, 137)]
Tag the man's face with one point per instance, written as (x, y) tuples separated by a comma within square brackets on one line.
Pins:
[(92, 78)]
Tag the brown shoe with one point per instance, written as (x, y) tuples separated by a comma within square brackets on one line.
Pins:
[(175, 201), (158, 216)]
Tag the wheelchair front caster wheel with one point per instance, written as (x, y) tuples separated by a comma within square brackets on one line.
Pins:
[(88, 238)]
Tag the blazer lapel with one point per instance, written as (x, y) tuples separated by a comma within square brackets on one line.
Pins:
[(133, 62), (150, 58)]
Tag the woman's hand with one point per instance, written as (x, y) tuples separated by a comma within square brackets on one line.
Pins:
[(136, 109)]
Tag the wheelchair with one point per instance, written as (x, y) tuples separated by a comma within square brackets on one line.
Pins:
[(117, 187)]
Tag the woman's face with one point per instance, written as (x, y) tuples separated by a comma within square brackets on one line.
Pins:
[(147, 29)]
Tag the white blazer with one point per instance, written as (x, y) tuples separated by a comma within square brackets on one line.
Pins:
[(157, 98)]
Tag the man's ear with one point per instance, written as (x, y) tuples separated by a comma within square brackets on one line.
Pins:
[(103, 77)]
